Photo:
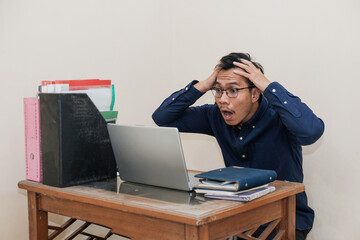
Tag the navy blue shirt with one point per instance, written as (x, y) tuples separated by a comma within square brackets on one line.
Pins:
[(271, 139)]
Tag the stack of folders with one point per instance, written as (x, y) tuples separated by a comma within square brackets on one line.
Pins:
[(236, 183), (101, 93)]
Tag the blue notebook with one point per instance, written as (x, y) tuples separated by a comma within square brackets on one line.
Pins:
[(235, 178)]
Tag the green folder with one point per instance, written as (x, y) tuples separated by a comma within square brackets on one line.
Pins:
[(110, 116)]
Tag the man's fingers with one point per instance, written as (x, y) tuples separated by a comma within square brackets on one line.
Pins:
[(243, 66), (216, 72), (242, 73), (249, 63)]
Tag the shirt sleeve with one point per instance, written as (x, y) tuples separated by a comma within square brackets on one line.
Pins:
[(175, 111), (296, 116)]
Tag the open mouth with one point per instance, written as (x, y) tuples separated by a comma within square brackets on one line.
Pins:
[(227, 115)]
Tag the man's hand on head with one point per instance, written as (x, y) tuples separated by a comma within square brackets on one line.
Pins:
[(208, 83), (251, 72)]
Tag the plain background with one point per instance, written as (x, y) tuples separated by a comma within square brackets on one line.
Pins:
[(151, 48)]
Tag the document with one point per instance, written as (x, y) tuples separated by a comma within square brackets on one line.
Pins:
[(243, 197)]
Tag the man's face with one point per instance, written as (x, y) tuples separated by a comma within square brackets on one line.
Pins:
[(241, 108)]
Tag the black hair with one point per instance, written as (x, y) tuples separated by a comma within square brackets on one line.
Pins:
[(226, 62)]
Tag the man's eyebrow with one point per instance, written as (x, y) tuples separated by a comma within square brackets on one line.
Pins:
[(228, 83)]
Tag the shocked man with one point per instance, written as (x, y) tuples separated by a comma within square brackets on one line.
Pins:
[(257, 123)]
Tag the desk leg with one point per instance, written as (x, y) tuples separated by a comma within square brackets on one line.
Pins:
[(38, 220), (288, 221), (196, 233)]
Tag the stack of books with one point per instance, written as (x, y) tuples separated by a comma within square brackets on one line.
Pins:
[(236, 183)]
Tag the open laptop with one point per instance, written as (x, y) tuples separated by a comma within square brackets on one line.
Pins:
[(150, 155)]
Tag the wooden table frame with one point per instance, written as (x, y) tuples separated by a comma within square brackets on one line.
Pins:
[(140, 218)]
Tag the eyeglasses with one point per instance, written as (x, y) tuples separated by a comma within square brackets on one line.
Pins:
[(231, 93)]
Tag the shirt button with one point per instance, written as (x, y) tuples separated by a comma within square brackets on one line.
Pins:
[(186, 88), (243, 156), (253, 126), (274, 90), (241, 138), (285, 102), (173, 99)]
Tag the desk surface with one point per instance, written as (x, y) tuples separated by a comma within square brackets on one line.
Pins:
[(179, 206)]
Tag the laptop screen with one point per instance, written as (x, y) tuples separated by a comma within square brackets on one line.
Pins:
[(149, 155)]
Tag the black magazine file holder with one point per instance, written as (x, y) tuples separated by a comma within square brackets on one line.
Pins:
[(75, 142)]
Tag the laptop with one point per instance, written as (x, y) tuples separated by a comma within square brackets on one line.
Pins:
[(150, 155)]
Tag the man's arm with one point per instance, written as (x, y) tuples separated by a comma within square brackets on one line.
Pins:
[(175, 111), (173, 107), (297, 117), (209, 82)]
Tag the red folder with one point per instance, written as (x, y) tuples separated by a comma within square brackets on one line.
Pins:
[(32, 139)]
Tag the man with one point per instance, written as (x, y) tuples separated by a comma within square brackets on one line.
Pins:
[(257, 123)]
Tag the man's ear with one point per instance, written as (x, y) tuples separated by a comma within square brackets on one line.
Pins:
[(255, 95)]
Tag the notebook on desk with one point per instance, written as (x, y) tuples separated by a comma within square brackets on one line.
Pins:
[(150, 155)]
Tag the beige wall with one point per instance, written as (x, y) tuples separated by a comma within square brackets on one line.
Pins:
[(151, 48)]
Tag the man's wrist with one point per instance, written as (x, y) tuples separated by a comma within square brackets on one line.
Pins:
[(264, 86), (202, 87)]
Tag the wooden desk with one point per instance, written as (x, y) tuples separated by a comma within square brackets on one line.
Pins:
[(141, 217)]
